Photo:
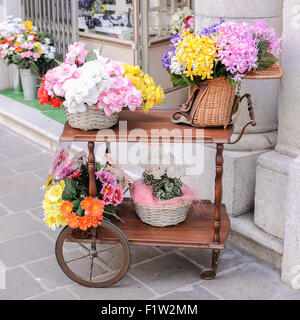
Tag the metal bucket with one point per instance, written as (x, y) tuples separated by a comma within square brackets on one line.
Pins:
[(29, 84), (14, 78)]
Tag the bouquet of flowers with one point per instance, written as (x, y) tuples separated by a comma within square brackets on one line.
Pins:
[(22, 44), (224, 49), (88, 79), (181, 20), (67, 200)]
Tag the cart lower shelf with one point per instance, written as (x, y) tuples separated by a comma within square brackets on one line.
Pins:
[(195, 232)]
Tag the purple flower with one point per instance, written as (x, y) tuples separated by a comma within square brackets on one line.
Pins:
[(106, 177), (169, 54), (85, 4), (212, 30)]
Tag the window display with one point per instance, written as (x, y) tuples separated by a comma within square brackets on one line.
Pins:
[(112, 18)]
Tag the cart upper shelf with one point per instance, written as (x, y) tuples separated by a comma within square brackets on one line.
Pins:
[(153, 127)]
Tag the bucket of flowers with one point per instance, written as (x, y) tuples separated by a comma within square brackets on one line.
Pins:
[(93, 89), (67, 200), (28, 49), (213, 63), (182, 19), (160, 197)]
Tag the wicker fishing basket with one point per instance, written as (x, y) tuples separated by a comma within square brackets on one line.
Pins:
[(91, 119), (209, 105), (162, 215)]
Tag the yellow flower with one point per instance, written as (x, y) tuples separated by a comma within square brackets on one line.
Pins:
[(51, 221), (28, 25), (54, 193), (198, 54), (159, 95), (38, 46), (47, 185), (131, 69)]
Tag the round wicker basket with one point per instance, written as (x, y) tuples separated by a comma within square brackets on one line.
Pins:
[(91, 119), (162, 215)]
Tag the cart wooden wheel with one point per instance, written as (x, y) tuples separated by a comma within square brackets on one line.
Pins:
[(98, 257)]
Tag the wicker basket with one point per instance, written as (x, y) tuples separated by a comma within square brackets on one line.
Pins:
[(209, 105), (91, 119), (274, 72), (162, 215)]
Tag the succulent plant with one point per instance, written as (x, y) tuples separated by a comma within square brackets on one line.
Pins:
[(164, 188)]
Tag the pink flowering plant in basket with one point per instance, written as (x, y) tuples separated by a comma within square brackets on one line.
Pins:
[(224, 49), (89, 79)]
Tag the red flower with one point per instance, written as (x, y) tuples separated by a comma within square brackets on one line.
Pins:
[(56, 103), (3, 41), (187, 22), (36, 39), (42, 95)]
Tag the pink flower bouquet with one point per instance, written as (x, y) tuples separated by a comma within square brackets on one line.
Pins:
[(87, 79)]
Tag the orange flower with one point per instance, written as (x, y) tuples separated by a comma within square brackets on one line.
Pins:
[(66, 207), (32, 33), (18, 44), (18, 50), (84, 222), (86, 202), (72, 220), (94, 221), (96, 208)]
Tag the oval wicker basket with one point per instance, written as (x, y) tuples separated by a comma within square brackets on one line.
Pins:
[(91, 119), (162, 215)]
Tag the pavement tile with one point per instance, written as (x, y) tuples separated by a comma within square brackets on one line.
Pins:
[(5, 171), (229, 257), (3, 212), (125, 289), (141, 253), (23, 200), (20, 151), (15, 225), (167, 273), (20, 285), (49, 273), (42, 173), (18, 183), (291, 295), (254, 281), (31, 163), (60, 294), (4, 132), (11, 140), (25, 249), (38, 213), (195, 292)]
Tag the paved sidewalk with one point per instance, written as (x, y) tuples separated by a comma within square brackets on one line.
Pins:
[(27, 250)]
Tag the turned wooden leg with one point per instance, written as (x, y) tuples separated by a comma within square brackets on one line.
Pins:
[(92, 170), (211, 273)]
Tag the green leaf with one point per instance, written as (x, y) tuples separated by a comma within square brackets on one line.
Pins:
[(188, 81), (69, 193), (80, 212), (178, 81), (266, 61), (91, 56), (76, 205)]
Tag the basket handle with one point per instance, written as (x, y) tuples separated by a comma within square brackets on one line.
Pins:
[(251, 115)]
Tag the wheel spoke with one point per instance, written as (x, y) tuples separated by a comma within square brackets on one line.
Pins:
[(78, 258), (84, 247), (105, 249), (91, 273), (105, 266)]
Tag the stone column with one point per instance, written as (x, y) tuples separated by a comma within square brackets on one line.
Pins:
[(241, 159), (291, 254), (273, 167)]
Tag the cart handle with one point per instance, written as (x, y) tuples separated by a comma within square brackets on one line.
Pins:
[(251, 116)]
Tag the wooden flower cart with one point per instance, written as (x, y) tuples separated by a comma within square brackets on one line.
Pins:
[(104, 253)]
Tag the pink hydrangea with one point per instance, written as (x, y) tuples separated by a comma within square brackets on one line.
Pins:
[(76, 53), (237, 47), (264, 32), (56, 77), (121, 94)]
